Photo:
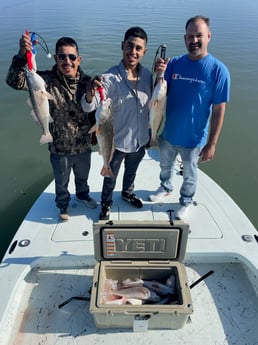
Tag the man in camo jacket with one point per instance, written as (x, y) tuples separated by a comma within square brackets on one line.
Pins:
[(71, 146)]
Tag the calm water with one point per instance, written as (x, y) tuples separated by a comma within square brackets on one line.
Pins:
[(98, 27)]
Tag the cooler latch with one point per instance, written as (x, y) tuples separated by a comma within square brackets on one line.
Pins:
[(141, 323)]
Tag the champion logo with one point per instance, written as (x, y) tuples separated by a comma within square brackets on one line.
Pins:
[(177, 76)]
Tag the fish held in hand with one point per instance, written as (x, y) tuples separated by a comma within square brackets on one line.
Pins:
[(39, 102), (105, 134), (157, 109)]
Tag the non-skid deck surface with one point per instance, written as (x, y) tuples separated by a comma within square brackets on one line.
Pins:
[(231, 320)]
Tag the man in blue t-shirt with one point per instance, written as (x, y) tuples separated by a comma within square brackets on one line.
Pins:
[(198, 90)]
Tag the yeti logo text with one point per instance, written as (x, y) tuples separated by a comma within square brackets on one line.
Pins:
[(140, 245)]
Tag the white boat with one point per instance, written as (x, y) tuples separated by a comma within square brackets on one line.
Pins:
[(49, 262)]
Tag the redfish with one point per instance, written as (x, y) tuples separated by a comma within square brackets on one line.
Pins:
[(157, 109), (105, 134), (39, 102), (138, 292)]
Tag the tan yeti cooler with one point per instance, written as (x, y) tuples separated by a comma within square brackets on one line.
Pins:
[(149, 251)]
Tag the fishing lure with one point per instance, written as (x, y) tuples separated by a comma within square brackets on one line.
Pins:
[(30, 55)]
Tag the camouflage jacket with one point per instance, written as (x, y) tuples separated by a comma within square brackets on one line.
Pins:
[(70, 124)]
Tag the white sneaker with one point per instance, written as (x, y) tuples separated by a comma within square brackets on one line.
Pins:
[(182, 211), (160, 194)]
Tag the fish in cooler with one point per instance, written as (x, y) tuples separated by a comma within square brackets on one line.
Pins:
[(129, 283), (159, 288), (131, 295), (139, 291)]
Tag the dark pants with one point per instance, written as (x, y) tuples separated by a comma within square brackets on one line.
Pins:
[(131, 163), (62, 166)]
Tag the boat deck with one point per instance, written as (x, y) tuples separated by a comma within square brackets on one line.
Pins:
[(58, 265), (39, 320)]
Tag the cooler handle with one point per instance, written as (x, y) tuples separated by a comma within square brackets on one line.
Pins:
[(141, 314)]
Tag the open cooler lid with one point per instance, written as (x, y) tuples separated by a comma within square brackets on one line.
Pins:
[(140, 240)]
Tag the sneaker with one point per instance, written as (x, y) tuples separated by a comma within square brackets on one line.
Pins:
[(160, 194), (132, 199), (182, 211), (105, 212), (88, 201), (63, 214)]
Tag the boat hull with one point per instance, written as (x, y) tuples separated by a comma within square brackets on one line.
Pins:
[(50, 262)]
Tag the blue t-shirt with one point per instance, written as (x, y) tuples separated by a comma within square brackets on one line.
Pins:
[(193, 87)]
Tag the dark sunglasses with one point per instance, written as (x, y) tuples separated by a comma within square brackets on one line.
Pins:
[(71, 57)]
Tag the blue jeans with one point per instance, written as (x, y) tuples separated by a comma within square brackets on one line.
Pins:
[(131, 162), (62, 165), (189, 156)]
